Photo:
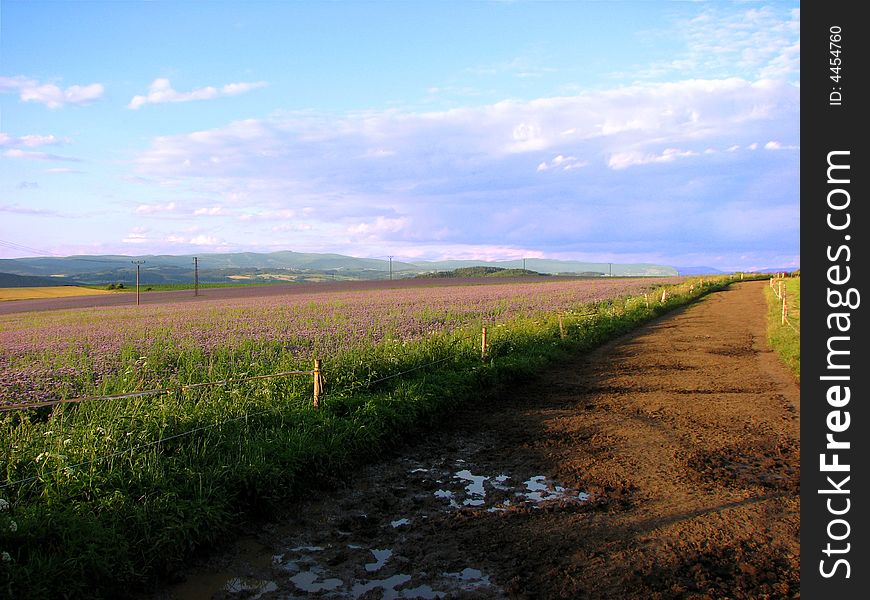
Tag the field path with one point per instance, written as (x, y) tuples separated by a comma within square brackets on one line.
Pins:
[(662, 465)]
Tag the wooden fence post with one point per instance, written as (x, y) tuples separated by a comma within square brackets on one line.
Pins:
[(664, 295), (483, 347), (561, 328), (646, 300), (318, 383), (784, 310)]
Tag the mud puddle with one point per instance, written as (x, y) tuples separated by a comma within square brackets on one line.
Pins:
[(369, 541)]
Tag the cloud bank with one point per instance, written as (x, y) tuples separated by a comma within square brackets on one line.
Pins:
[(160, 92), (591, 174), (50, 94)]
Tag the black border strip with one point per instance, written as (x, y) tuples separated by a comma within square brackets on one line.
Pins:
[(833, 120)]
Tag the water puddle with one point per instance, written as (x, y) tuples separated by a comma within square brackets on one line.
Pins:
[(381, 558), (350, 557), (254, 587), (474, 489), (495, 494), (498, 483), (389, 586), (470, 579), (312, 581)]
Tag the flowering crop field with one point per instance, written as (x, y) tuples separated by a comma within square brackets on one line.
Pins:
[(126, 489), (50, 355)]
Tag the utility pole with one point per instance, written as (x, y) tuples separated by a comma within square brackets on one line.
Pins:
[(195, 276), (524, 264), (611, 269), (137, 263), (391, 267)]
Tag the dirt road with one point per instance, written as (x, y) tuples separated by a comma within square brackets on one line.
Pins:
[(663, 465)]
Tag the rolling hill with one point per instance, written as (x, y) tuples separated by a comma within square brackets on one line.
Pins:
[(281, 266)]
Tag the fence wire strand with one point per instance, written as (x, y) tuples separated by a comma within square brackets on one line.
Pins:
[(366, 384), (144, 393), (139, 447), (195, 430)]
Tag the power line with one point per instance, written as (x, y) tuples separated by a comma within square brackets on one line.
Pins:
[(17, 246)]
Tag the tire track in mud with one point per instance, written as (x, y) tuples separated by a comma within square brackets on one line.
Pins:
[(665, 464)]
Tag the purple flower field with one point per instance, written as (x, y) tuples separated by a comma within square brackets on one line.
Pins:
[(60, 353)]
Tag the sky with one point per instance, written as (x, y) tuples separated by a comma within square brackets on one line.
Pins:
[(659, 132)]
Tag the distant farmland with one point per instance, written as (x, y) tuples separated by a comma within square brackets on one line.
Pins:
[(60, 291)]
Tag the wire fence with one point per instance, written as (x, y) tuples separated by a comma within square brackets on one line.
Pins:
[(145, 393), (780, 290), (318, 386)]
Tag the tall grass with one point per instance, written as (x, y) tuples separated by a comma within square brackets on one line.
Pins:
[(785, 339), (106, 495)]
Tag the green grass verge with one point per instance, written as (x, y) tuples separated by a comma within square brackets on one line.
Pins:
[(785, 339), (110, 496)]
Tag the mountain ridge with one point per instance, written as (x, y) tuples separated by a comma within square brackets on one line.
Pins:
[(285, 265)]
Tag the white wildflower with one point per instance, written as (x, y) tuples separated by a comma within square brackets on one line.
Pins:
[(13, 526), (67, 442), (4, 556), (3, 504)]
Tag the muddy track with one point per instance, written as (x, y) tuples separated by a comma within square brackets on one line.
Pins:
[(662, 465)]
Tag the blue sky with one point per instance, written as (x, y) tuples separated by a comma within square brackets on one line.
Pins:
[(663, 132)]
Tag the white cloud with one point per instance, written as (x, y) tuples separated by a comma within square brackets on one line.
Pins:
[(212, 211), (160, 91), (562, 163), (29, 141), (137, 235), (49, 94), (152, 209), (234, 89), (623, 160), (378, 227), (306, 147), (758, 43), (292, 227), (62, 170), (201, 239), (35, 155), (204, 240), (775, 145)]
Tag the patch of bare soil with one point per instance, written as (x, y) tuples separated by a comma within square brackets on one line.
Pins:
[(663, 465)]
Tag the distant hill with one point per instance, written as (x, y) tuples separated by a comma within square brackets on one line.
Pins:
[(284, 266), (481, 272), (566, 267), (11, 280), (699, 271), (777, 270)]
